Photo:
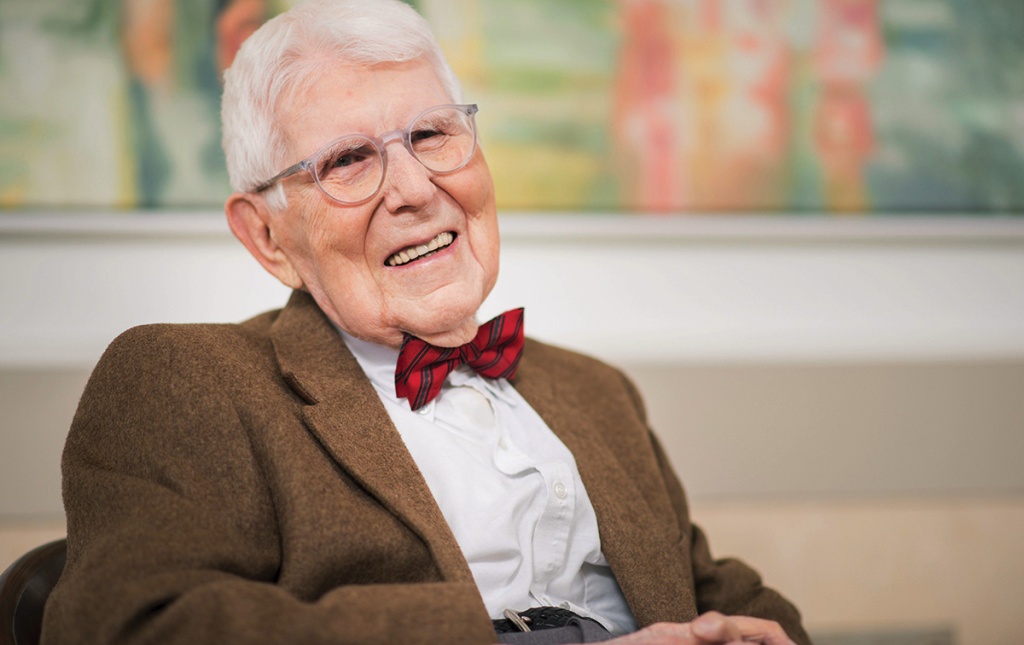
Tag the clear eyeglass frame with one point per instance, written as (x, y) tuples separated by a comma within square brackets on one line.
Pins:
[(312, 163)]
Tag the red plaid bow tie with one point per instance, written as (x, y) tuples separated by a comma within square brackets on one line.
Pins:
[(494, 353)]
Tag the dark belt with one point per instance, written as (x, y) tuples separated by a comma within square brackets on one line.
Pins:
[(536, 618)]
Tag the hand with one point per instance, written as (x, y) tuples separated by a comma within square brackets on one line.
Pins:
[(711, 628)]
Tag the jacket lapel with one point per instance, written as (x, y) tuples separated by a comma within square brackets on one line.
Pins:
[(656, 583), (345, 415)]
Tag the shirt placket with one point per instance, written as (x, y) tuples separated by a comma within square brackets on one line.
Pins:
[(551, 538)]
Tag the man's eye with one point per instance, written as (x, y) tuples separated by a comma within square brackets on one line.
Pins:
[(423, 135), (347, 159)]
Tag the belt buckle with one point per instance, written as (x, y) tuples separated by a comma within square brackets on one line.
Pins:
[(517, 620)]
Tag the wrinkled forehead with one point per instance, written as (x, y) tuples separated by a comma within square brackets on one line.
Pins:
[(334, 98)]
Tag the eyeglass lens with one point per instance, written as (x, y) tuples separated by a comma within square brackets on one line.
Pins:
[(351, 169)]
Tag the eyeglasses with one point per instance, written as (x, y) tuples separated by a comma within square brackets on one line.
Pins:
[(350, 169)]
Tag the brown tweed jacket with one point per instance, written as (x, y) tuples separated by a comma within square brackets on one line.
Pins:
[(243, 484)]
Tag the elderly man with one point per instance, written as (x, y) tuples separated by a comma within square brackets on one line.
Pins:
[(369, 464)]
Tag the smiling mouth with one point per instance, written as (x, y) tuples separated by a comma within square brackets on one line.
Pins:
[(405, 256)]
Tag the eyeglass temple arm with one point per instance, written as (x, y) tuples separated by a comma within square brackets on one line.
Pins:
[(287, 172)]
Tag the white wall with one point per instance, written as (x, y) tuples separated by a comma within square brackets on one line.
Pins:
[(643, 288)]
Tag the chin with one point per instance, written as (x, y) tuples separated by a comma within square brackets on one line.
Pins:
[(447, 327)]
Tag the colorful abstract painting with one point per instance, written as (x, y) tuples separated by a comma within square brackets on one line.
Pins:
[(708, 106)]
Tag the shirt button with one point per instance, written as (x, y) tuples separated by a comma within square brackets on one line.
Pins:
[(424, 410), (560, 490)]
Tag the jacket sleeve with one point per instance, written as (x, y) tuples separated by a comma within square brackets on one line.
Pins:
[(172, 529), (725, 585)]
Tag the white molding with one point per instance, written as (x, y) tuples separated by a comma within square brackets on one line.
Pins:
[(640, 288), (562, 226)]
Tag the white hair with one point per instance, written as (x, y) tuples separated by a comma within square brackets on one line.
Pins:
[(289, 51)]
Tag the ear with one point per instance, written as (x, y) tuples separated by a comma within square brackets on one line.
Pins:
[(252, 223)]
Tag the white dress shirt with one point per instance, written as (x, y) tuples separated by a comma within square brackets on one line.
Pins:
[(509, 489)]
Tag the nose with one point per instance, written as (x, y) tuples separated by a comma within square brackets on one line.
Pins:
[(408, 184)]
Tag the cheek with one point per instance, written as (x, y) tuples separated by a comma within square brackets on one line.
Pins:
[(475, 193), (489, 245), (492, 262), (473, 187), (326, 246), (336, 233), (303, 246)]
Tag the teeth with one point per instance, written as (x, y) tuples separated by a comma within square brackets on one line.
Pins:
[(408, 255)]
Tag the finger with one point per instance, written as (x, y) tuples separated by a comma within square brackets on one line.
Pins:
[(714, 627), (659, 634), (758, 630)]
